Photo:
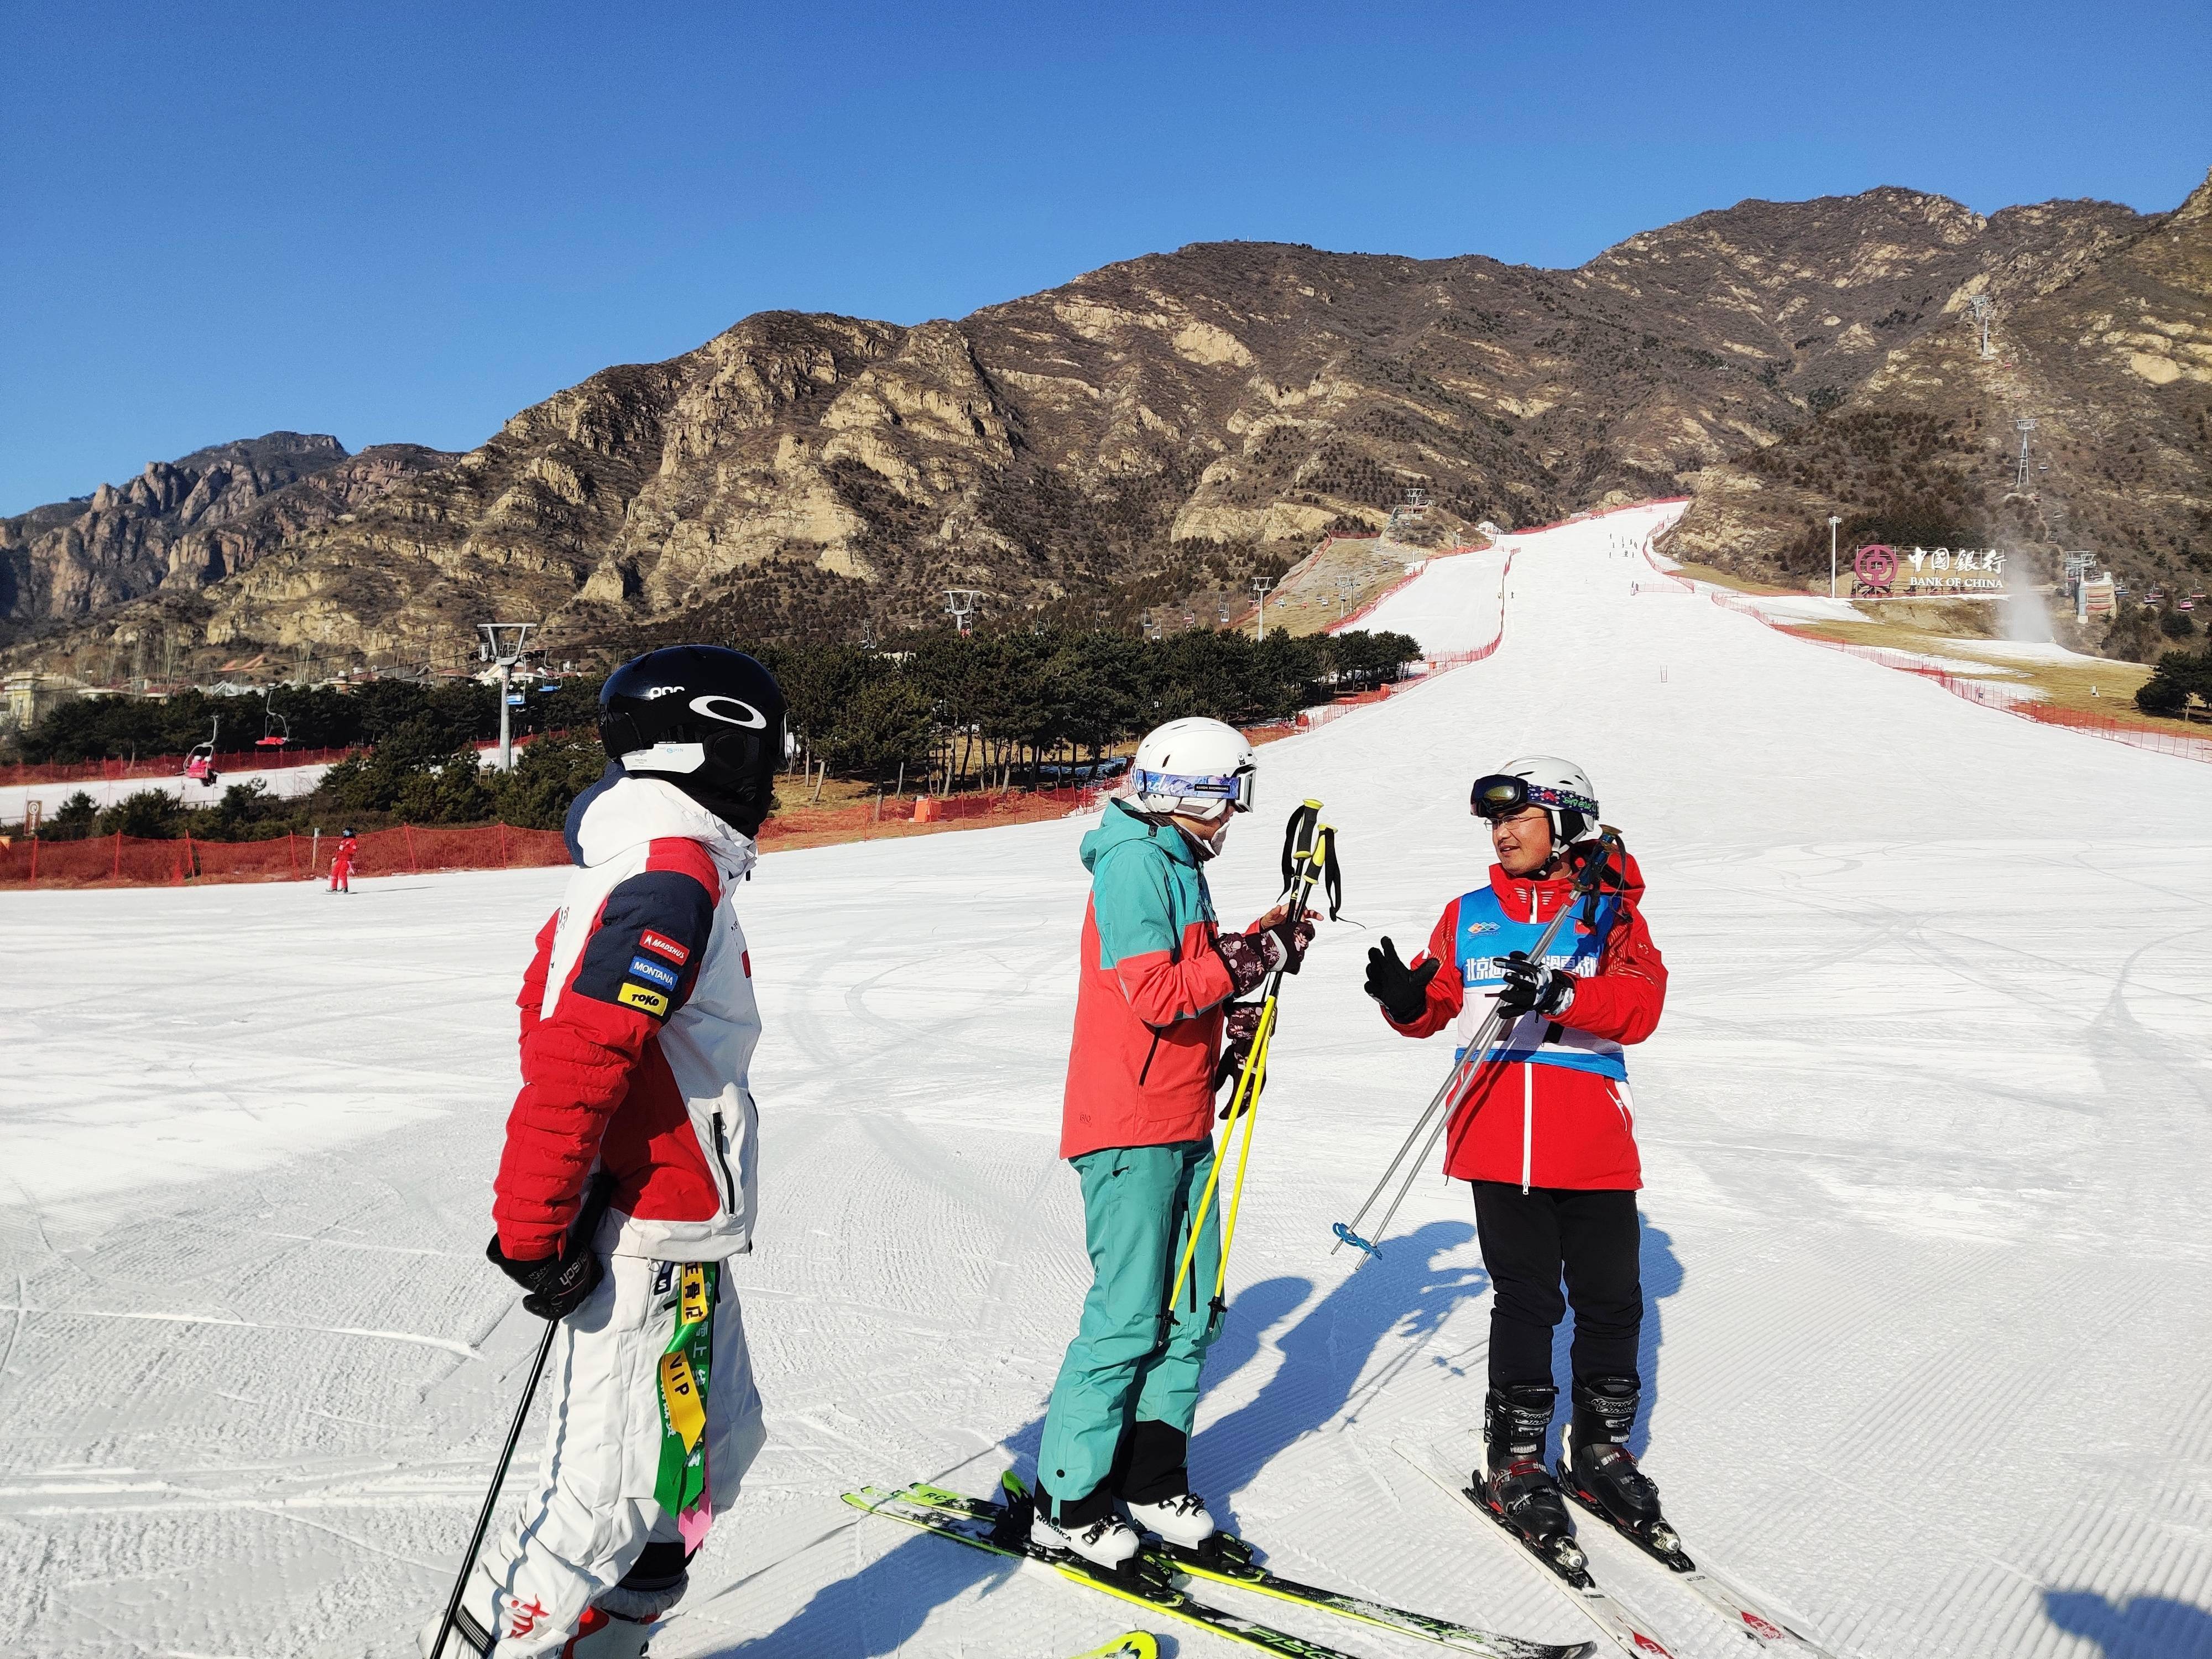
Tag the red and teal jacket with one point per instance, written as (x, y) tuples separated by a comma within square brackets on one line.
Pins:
[(1551, 1106), (1148, 1008)]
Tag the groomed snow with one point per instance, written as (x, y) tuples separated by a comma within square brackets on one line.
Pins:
[(1925, 1132)]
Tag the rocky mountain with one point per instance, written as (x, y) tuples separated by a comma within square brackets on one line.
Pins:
[(2113, 364), (186, 524), (1182, 421)]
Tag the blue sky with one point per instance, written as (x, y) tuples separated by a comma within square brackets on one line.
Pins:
[(406, 222)]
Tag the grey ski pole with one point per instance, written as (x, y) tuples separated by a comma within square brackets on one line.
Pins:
[(580, 1237), (1462, 1075)]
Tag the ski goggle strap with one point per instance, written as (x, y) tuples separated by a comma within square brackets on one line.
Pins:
[(1234, 788), (1499, 796)]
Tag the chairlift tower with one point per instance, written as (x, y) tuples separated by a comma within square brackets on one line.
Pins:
[(1981, 305), (502, 645), (2026, 430), (1261, 586), (960, 604)]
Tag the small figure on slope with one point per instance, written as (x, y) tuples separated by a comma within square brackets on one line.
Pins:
[(1545, 1135), (341, 862), (1136, 1124), (638, 1026)]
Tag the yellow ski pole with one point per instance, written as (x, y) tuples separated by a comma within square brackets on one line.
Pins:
[(1310, 862)]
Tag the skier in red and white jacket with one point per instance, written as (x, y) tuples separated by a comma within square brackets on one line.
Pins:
[(1545, 1133), (638, 1028)]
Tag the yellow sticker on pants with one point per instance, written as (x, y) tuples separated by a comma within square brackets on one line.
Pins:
[(679, 1394), (693, 1304)]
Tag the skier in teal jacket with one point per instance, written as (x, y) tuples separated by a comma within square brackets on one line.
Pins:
[(1137, 1121)]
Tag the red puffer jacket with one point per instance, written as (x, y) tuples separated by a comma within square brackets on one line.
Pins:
[(1562, 1117), (638, 1029)]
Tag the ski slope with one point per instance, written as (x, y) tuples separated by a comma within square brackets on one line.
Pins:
[(283, 782), (1926, 1130)]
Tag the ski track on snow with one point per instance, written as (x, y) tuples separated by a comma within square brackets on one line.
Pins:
[(1925, 1131)]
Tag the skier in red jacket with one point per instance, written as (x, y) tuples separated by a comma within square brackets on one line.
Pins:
[(341, 862), (638, 1028), (1545, 1136)]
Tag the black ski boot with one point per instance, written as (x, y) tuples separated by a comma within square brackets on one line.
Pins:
[(1601, 1474), (1516, 1487)]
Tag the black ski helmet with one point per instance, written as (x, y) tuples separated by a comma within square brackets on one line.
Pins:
[(707, 720)]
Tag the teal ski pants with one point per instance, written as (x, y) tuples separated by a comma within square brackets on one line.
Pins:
[(1123, 1366)]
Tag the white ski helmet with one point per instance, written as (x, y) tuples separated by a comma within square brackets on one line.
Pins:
[(1198, 768), (1545, 781)]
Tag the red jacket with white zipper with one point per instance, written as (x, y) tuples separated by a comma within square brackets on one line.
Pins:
[(1547, 1124)]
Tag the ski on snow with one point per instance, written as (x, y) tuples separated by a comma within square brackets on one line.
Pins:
[(1766, 1629), (1630, 1631), (1131, 1645), (1143, 1591), (1247, 1575)]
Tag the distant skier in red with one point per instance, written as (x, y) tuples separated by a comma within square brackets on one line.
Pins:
[(342, 863)]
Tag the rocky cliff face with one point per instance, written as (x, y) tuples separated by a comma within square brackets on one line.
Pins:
[(1186, 418), (186, 524), (2110, 354)]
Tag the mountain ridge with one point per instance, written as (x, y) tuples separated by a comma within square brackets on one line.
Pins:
[(1171, 423)]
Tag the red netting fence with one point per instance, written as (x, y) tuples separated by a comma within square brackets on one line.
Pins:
[(121, 860), (138, 862)]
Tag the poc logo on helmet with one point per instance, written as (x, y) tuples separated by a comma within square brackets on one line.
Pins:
[(732, 712), (653, 691)]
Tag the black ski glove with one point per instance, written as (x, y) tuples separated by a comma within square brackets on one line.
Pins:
[(1532, 988), (1249, 958), (1402, 991), (1237, 1031), (557, 1284)]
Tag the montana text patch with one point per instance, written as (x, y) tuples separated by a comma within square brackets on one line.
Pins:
[(664, 945), (636, 996), (659, 972)]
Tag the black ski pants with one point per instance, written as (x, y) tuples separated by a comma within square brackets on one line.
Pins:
[(1529, 1241)]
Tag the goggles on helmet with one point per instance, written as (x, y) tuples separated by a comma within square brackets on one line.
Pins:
[(1235, 787), (1500, 796)]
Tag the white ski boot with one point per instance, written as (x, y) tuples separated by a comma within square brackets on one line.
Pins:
[(1108, 1543), (1181, 1522)]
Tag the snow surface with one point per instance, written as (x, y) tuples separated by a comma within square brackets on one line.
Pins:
[(1925, 1131)]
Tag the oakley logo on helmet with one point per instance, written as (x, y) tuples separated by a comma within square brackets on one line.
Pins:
[(733, 712)]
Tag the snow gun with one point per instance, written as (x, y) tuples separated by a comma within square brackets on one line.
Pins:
[(1309, 859), (580, 1232), (1592, 871)]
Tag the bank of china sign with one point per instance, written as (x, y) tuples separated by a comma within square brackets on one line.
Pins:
[(1933, 570)]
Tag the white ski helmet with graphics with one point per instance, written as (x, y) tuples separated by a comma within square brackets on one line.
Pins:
[(1198, 768), (1558, 786)]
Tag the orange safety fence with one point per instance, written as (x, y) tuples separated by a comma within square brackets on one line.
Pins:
[(122, 861), (142, 861)]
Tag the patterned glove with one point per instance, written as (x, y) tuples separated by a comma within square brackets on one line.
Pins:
[(1237, 1031), (1294, 941), (1532, 988), (1249, 958)]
